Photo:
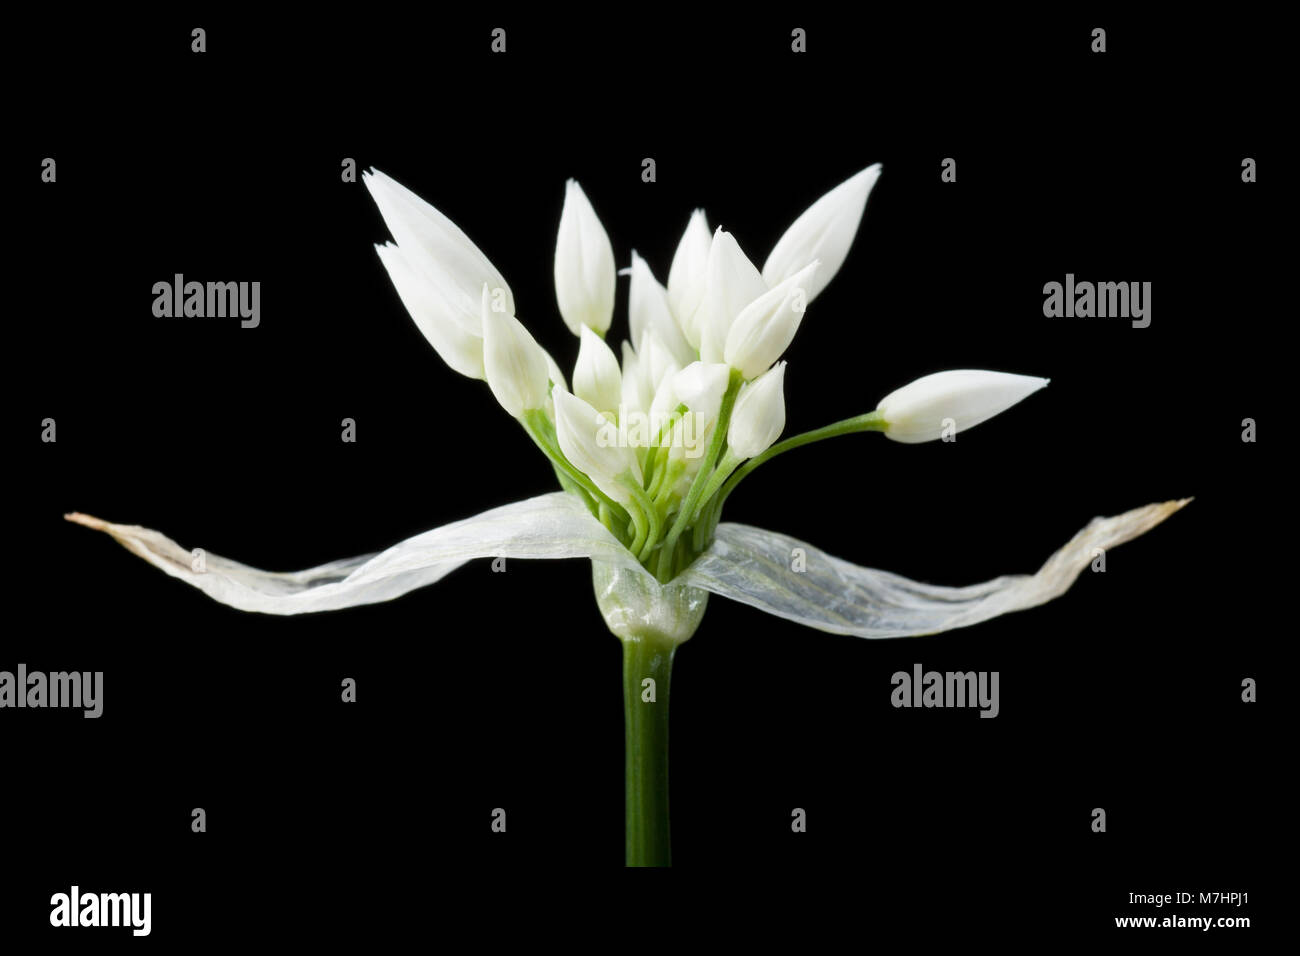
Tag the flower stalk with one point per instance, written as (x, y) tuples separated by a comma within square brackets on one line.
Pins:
[(647, 673)]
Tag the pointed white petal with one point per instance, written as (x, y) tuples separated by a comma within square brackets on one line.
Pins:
[(825, 231), (596, 378), (436, 320), (752, 566), (686, 275), (700, 386), (766, 327), (591, 443), (665, 399), (731, 283), (434, 241), (516, 366), (584, 265), (759, 416), (648, 309), (556, 525), (657, 362), (636, 389)]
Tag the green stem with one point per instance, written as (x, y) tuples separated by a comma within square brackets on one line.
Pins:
[(730, 462), (646, 764), (652, 515), (704, 525), (571, 486), (870, 422), (640, 524), (666, 429), (665, 480)]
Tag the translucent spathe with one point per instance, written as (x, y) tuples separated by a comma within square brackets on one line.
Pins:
[(753, 566), (554, 525), (636, 607), (744, 564)]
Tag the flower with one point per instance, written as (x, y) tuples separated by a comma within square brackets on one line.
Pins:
[(517, 368), (648, 452), (438, 273), (764, 328), (700, 387), (759, 416), (596, 378), (690, 262), (589, 441), (649, 311), (584, 265), (824, 232), (960, 399)]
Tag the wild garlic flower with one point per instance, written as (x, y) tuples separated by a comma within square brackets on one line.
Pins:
[(652, 439), (648, 445)]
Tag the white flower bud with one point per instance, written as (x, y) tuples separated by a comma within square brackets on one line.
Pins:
[(825, 231), (700, 386), (657, 363), (596, 378), (459, 344), (686, 275), (590, 441), (584, 265), (758, 417), (517, 368), (437, 250), (765, 327), (665, 401), (731, 283), (960, 399), (647, 309), (636, 389)]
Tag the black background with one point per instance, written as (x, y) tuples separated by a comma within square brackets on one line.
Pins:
[(503, 690)]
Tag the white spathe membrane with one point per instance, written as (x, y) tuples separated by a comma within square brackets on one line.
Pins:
[(744, 563)]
